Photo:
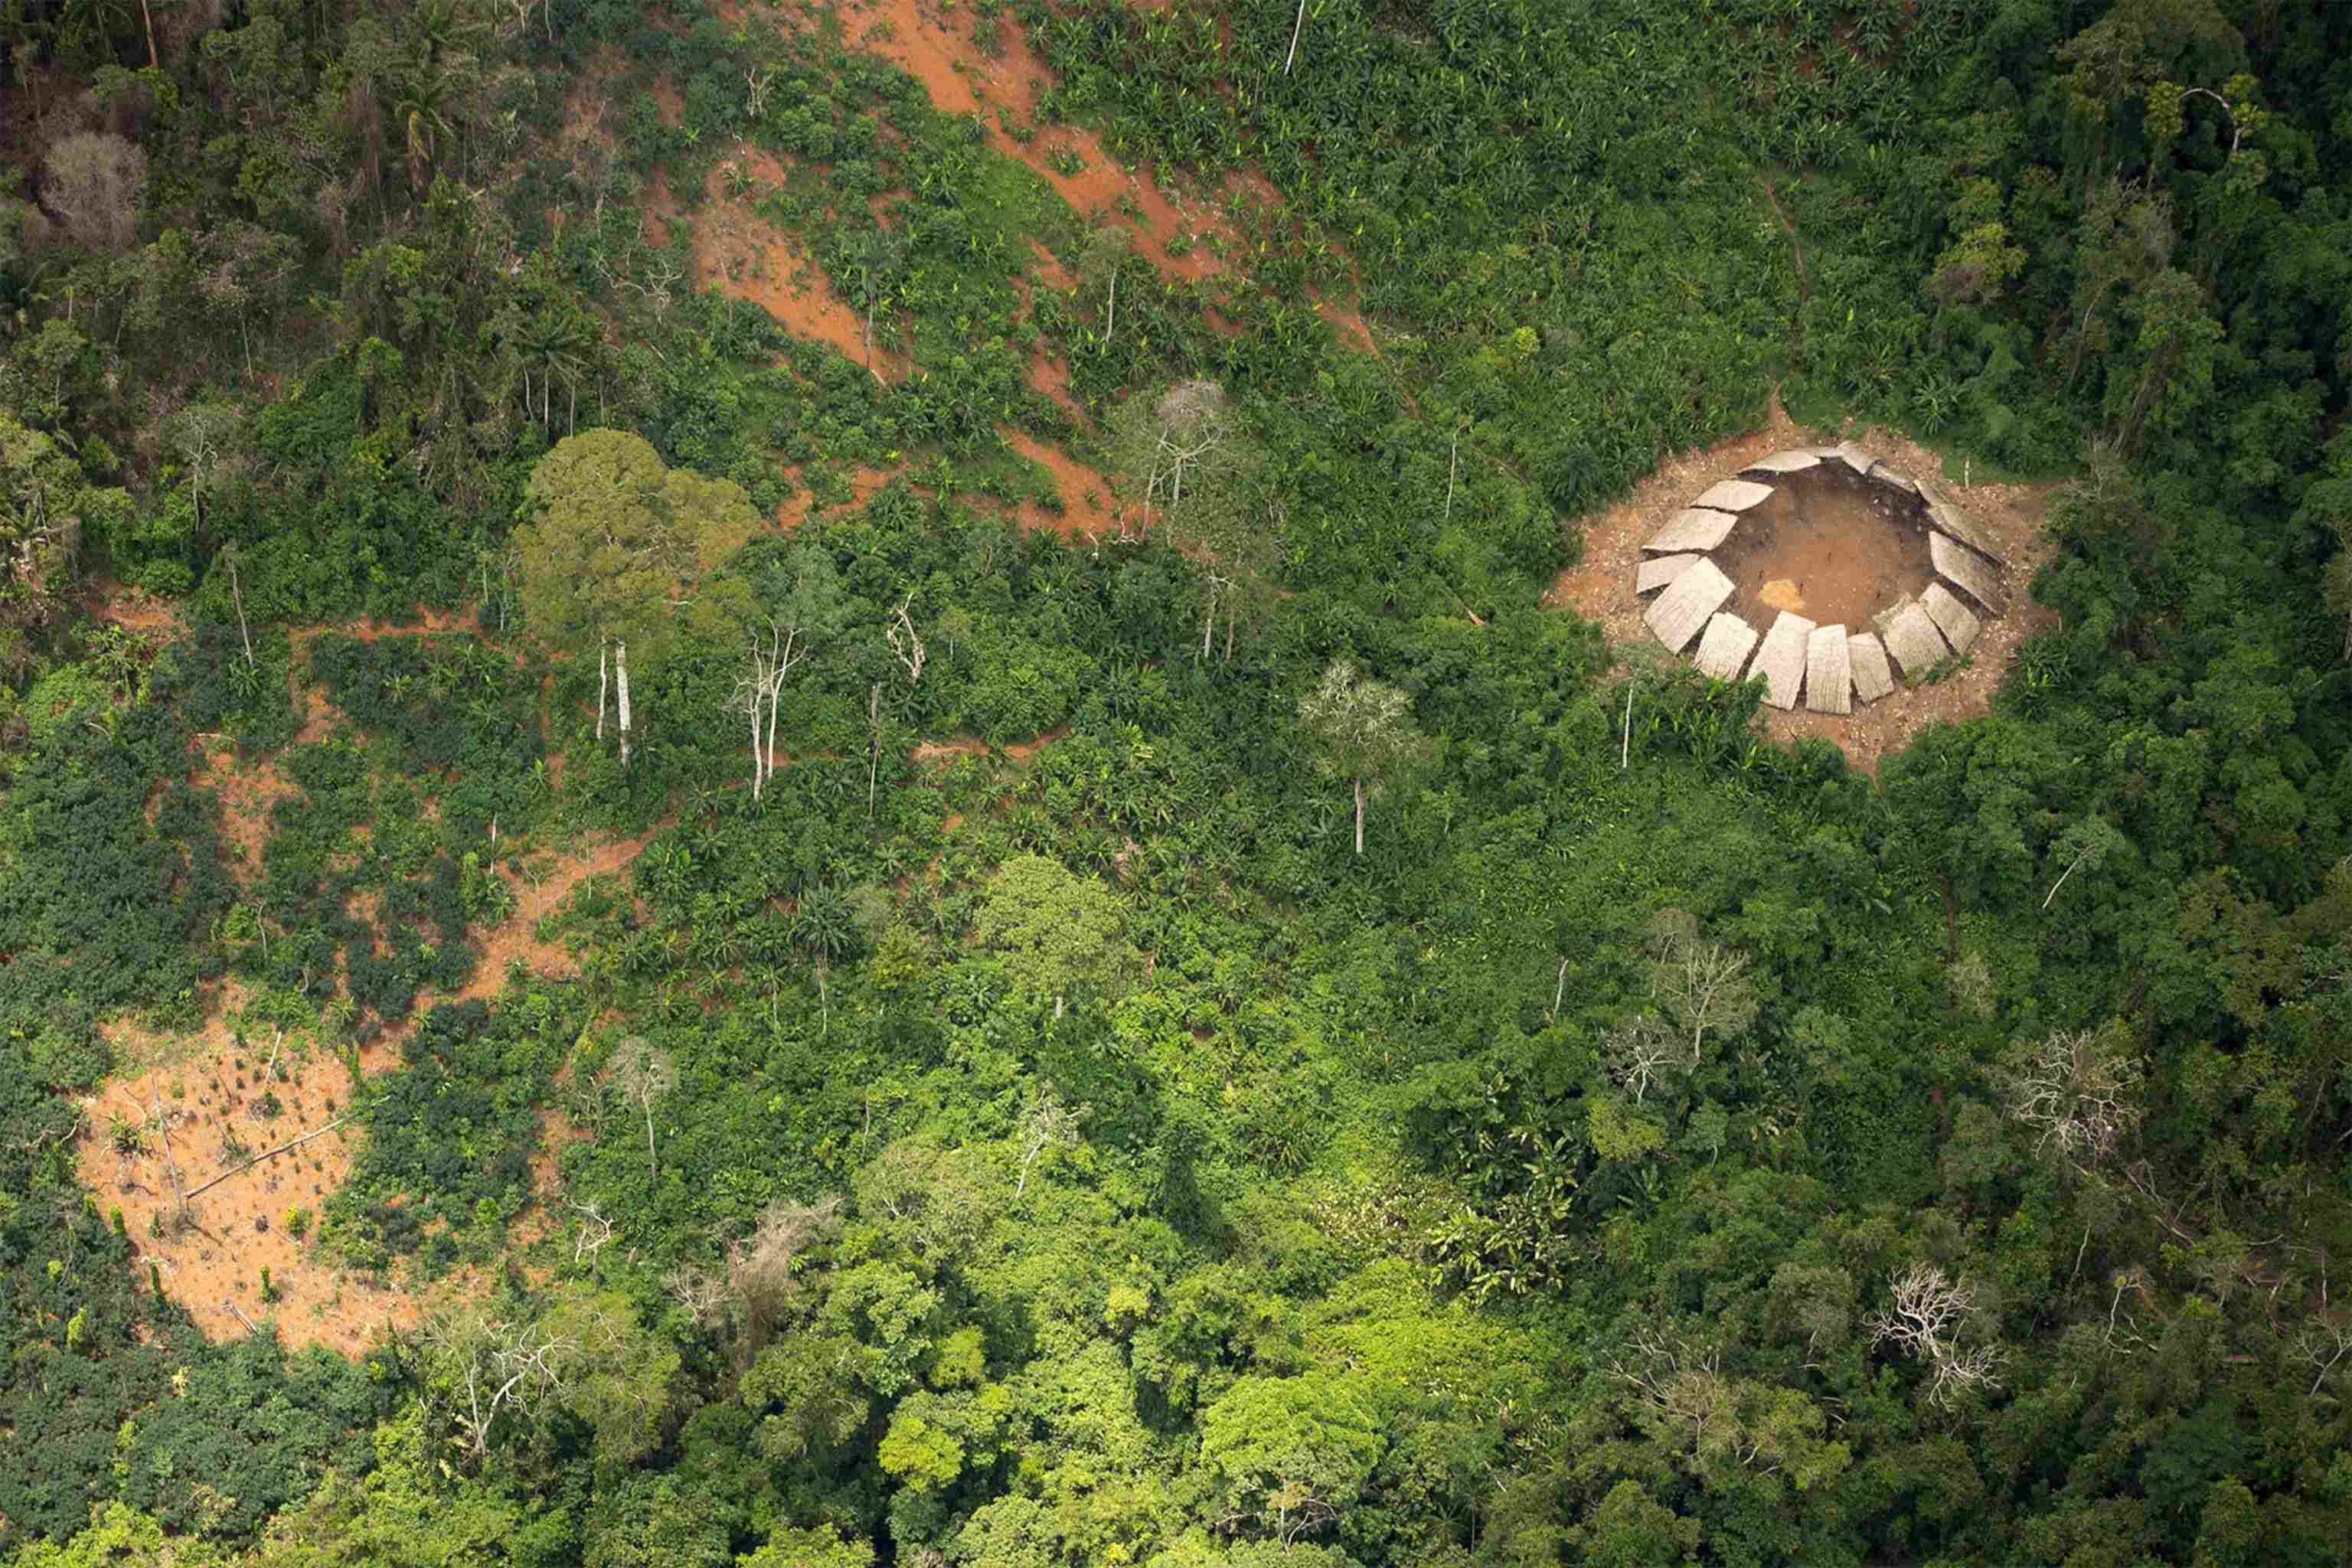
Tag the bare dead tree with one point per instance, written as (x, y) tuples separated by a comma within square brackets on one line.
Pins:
[(2091, 840), (230, 557), (1046, 1124), (1295, 1510), (2322, 1342), (759, 693), (1978, 1367), (764, 1262), (162, 1119), (1926, 1307), (1647, 666), (47, 537), (2079, 1089), (97, 184), (595, 1231), (1971, 981), (643, 1072), (701, 1292), (1923, 1319), (762, 1269), (903, 642), (1099, 258), (2124, 1336), (494, 1367), (873, 765), (662, 277), (1679, 1385), (1640, 1051), (760, 84), (1194, 425), (749, 1294), (268, 1154), (751, 697), (204, 436), (1702, 985), (522, 10), (1681, 1395)]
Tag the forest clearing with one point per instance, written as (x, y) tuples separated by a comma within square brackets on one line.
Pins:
[(1185, 783)]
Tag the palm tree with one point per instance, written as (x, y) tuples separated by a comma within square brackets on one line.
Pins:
[(555, 342), (824, 928), (442, 27), (425, 124)]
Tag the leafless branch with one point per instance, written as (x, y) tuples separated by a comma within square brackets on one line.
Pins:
[(908, 647), (1638, 1052), (2080, 1091), (595, 1231), (2324, 1341), (1923, 1319)]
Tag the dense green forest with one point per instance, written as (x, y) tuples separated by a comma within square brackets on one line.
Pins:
[(1337, 1064)]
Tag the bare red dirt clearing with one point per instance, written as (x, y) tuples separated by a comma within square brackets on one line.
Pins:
[(936, 46), (213, 1267), (1088, 511), (211, 1089), (749, 258), (864, 484), (973, 746)]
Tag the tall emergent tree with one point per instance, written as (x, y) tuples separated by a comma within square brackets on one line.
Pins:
[(1365, 731), (613, 546)]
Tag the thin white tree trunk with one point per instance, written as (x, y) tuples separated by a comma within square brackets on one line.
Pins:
[(759, 774), (1359, 816), (768, 751), (236, 591), (1295, 26), (1111, 318), (604, 679), (874, 746), (621, 683)]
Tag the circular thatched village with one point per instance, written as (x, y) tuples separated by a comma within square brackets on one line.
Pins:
[(1869, 575)]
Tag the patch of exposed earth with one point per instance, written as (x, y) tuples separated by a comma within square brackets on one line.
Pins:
[(1601, 586)]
